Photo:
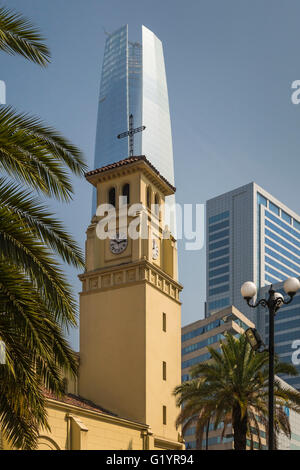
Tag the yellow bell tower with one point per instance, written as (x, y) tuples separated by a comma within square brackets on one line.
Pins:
[(130, 312)]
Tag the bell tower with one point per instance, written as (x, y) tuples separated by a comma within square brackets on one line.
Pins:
[(130, 312)]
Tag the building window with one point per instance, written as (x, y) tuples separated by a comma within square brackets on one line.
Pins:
[(193, 334), (286, 217), (219, 290), (218, 262), (202, 344), (126, 192), (219, 271), (156, 207), (164, 322), (216, 236), (262, 200), (218, 304), (296, 224), (112, 197), (218, 217), (164, 370), (218, 280), (219, 226), (283, 225), (219, 244), (164, 414), (283, 251), (196, 360), (282, 241), (218, 253), (148, 197), (273, 208)]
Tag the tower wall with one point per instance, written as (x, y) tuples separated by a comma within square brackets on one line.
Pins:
[(112, 350), (130, 312)]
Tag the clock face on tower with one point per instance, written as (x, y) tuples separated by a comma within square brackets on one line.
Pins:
[(118, 244), (155, 249)]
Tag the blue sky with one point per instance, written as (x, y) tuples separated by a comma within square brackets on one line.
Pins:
[(230, 65)]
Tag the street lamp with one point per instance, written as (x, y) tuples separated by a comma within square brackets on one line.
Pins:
[(254, 339), (273, 303)]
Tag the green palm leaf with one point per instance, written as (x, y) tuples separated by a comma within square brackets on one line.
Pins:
[(233, 385), (19, 36), (21, 204), (36, 355), (37, 155)]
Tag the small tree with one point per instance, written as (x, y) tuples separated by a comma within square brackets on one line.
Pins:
[(232, 387)]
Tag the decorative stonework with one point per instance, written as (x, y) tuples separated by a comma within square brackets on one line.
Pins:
[(167, 287), (94, 283), (144, 274), (118, 278), (141, 272), (172, 291), (131, 275), (106, 280), (153, 277)]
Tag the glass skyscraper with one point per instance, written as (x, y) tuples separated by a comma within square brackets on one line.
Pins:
[(134, 82), (2, 92), (250, 236)]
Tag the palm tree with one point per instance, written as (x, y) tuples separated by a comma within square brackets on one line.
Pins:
[(36, 303), (232, 388)]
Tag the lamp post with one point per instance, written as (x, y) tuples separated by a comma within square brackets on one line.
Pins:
[(273, 303), (207, 431)]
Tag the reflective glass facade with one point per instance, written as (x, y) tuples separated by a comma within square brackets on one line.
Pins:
[(218, 259), (287, 331), (281, 243), (157, 137), (250, 236), (113, 100), (134, 82)]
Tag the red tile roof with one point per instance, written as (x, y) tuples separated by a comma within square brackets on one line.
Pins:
[(127, 161), (75, 400)]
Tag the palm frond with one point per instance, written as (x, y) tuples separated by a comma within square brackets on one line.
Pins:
[(37, 155), (19, 36), (233, 385), (35, 216)]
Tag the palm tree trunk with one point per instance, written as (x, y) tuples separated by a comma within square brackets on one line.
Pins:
[(239, 429)]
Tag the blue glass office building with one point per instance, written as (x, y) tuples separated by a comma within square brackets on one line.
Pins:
[(253, 236), (250, 236), (134, 82)]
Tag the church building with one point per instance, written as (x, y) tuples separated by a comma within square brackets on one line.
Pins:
[(130, 325)]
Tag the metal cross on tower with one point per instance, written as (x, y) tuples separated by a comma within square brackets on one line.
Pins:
[(130, 133)]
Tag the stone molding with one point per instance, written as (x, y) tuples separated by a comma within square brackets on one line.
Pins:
[(129, 274)]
